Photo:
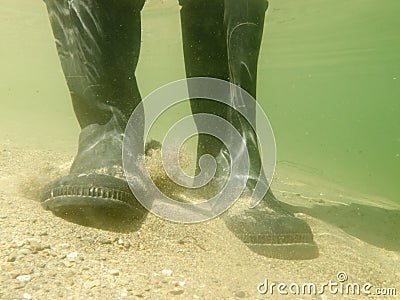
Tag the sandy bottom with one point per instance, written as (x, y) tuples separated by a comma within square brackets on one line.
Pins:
[(45, 257)]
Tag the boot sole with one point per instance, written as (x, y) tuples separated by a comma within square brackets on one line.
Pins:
[(92, 200), (276, 236)]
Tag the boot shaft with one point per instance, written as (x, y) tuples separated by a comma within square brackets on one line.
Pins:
[(98, 43)]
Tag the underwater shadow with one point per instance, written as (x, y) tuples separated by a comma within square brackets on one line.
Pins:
[(377, 226), (109, 220)]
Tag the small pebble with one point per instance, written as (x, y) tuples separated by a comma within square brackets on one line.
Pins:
[(20, 244), (72, 255), (114, 272), (124, 293), (25, 251), (35, 246), (26, 296), (67, 264), (105, 241), (166, 272), (41, 265), (176, 292), (101, 258), (181, 283), (240, 294), (23, 278), (12, 257), (91, 284)]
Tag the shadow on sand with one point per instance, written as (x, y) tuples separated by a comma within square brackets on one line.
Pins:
[(377, 226)]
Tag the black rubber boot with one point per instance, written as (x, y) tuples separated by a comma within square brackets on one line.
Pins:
[(98, 42), (205, 54), (222, 39)]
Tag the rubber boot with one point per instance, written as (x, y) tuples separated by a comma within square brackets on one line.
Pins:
[(98, 43), (222, 39), (205, 54)]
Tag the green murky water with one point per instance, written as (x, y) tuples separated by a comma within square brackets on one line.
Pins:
[(329, 80)]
